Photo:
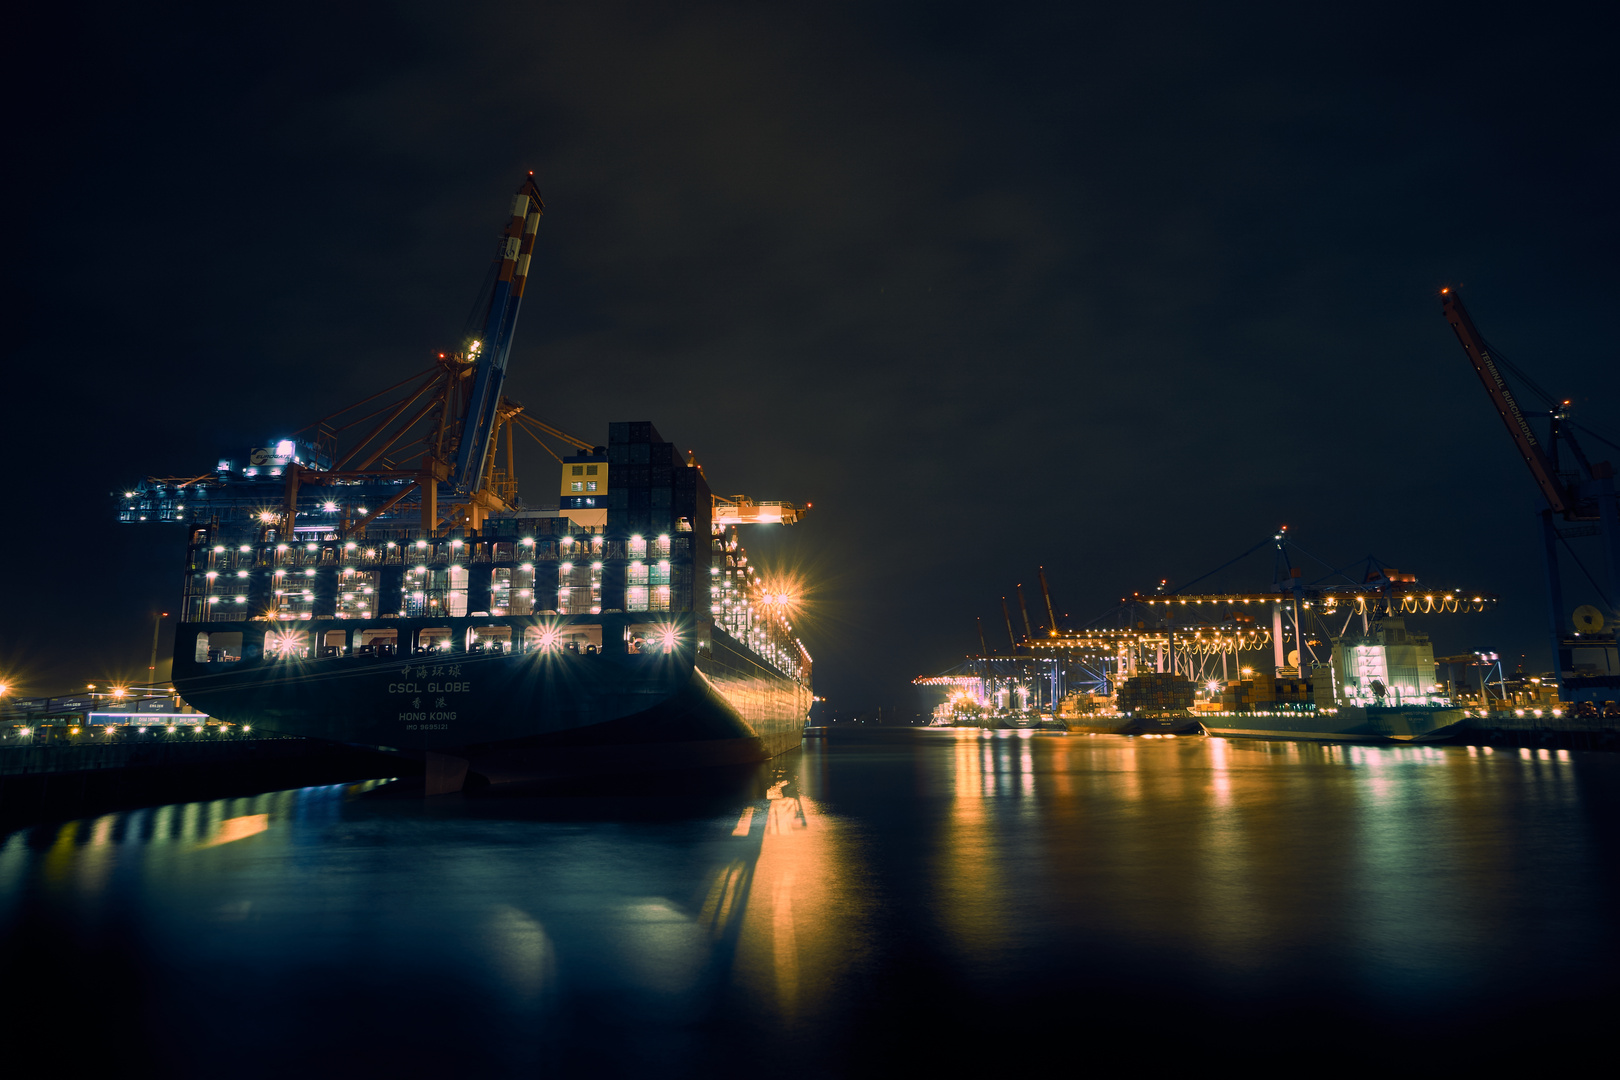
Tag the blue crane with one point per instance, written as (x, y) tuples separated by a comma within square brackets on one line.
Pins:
[(490, 352)]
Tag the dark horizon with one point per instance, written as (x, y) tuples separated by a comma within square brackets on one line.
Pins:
[(1116, 292)]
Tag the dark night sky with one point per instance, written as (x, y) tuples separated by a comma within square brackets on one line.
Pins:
[(1113, 289)]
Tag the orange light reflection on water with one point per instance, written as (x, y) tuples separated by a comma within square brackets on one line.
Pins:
[(238, 828)]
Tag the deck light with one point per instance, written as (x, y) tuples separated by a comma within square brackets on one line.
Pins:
[(218, 548), (528, 567), (421, 543), (241, 573), (350, 546)]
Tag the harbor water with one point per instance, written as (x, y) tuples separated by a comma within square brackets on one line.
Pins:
[(883, 903)]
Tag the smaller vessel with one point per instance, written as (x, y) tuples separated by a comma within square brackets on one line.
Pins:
[(1168, 723), (1012, 721), (1378, 685), (1341, 723), (1148, 703)]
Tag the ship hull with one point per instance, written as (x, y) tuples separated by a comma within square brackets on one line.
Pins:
[(524, 715), (1343, 724), (1167, 724)]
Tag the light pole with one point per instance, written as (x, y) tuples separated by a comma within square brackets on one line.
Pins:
[(151, 668)]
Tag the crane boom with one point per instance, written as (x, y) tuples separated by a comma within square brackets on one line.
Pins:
[(492, 350), (742, 510), (1051, 616), (1029, 631), (1541, 467)]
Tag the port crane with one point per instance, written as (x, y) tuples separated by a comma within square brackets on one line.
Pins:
[(428, 446), (1200, 634), (1583, 498), (443, 453), (437, 445)]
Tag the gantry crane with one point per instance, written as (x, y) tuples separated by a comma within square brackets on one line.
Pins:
[(444, 450), (1175, 629), (427, 446), (1586, 494)]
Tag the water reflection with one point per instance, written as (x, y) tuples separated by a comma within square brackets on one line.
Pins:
[(805, 914)]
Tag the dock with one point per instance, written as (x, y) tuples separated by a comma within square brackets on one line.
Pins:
[(44, 777)]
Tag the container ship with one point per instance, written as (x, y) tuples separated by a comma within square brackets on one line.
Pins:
[(391, 589)]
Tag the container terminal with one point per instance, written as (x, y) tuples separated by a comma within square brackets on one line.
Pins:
[(1325, 652)]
